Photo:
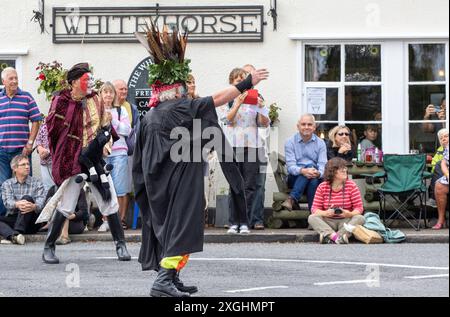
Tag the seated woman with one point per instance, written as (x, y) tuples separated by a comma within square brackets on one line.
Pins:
[(441, 192), (436, 165), (339, 144), (337, 201)]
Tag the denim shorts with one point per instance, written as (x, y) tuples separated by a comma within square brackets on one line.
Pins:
[(120, 174)]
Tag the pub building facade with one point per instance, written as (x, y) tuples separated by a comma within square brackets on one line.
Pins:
[(353, 62)]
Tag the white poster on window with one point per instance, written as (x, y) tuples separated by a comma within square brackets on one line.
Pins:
[(316, 100)]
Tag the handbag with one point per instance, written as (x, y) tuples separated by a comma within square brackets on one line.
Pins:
[(367, 236)]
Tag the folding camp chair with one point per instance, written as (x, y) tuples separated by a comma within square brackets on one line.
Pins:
[(405, 177)]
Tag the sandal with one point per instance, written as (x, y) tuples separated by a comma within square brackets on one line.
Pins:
[(438, 226)]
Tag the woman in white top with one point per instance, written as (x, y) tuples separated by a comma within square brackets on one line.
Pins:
[(118, 152)]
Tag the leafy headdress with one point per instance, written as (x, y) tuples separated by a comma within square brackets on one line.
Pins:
[(169, 70)]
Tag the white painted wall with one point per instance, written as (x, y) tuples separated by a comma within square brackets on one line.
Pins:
[(211, 62)]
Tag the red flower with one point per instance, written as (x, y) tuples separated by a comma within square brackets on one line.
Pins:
[(42, 76)]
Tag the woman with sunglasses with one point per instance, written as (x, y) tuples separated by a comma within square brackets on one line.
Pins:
[(339, 144)]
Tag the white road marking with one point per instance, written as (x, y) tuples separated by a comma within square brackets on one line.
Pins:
[(418, 277), (322, 262), (347, 282), (112, 258), (304, 261), (255, 289)]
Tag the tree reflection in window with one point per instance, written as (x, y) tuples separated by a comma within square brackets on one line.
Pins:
[(362, 63), (426, 62), (322, 63)]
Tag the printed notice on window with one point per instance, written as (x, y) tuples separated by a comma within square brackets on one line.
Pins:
[(316, 100)]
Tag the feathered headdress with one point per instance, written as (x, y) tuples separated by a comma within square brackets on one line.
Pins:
[(169, 70)]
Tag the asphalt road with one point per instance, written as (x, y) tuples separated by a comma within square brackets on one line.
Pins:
[(235, 270)]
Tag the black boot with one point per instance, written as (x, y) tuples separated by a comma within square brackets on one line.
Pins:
[(119, 238), (53, 234), (181, 287), (164, 286)]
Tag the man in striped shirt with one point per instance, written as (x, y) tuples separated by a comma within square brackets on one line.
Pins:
[(17, 108)]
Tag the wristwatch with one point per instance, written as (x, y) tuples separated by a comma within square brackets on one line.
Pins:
[(30, 142)]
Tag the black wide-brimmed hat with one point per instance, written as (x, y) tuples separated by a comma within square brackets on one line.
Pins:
[(77, 71)]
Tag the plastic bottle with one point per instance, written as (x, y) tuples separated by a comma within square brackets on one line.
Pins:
[(377, 156), (359, 153)]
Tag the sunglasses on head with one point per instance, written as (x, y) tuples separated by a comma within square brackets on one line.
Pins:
[(343, 133)]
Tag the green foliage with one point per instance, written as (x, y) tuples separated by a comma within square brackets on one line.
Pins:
[(53, 78), (273, 114), (169, 72)]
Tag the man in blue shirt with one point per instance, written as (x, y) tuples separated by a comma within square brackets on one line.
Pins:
[(17, 109), (306, 156)]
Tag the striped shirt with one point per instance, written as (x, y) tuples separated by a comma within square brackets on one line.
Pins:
[(13, 191), (350, 199), (15, 114)]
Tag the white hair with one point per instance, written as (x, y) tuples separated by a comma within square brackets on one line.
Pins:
[(6, 71), (442, 132), (307, 115)]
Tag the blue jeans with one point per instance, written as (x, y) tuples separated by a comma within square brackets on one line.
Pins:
[(6, 172), (256, 216), (300, 184)]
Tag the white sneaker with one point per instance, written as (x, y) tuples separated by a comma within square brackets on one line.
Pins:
[(4, 241), (104, 227), (19, 239), (233, 230), (244, 229)]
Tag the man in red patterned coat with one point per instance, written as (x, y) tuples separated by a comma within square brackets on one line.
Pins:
[(75, 117)]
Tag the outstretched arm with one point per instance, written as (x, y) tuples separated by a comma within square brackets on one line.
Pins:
[(230, 93)]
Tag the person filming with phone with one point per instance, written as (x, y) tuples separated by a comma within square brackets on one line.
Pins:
[(337, 201), (435, 113)]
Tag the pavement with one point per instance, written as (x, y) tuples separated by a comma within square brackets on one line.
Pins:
[(219, 235)]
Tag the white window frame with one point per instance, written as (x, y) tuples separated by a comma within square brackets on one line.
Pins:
[(408, 83), (16, 55), (395, 81), (342, 83)]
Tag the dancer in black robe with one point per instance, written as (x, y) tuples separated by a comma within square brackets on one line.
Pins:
[(170, 192)]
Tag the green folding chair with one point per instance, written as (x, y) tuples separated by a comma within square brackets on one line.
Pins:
[(404, 181)]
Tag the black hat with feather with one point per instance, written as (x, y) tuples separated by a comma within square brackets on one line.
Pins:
[(169, 70)]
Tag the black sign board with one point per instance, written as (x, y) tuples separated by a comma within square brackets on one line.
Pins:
[(73, 24), (6, 63), (139, 92)]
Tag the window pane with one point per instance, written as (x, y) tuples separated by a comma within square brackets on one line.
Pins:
[(6, 63), (423, 141), (421, 96), (427, 62), (368, 134), (362, 63), (331, 106), (322, 63), (323, 129), (363, 103)]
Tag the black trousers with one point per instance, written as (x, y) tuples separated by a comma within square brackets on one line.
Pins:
[(249, 162), (76, 227), (18, 223)]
